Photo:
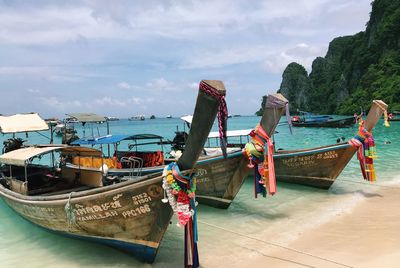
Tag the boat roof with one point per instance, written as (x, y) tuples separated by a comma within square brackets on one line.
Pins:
[(22, 123), (110, 139), (187, 118), (231, 133), (87, 117), (21, 156), (215, 134)]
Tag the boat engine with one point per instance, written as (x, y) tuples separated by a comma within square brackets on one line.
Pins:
[(12, 144), (69, 135), (178, 143)]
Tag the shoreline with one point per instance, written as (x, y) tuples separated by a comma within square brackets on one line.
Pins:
[(364, 236), (367, 237)]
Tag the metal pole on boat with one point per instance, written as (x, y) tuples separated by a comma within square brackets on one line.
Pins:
[(26, 173), (52, 159), (108, 133), (51, 133)]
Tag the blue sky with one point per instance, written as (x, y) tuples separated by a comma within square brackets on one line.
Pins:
[(122, 58)]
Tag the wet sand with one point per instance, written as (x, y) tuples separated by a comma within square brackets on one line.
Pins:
[(366, 236)]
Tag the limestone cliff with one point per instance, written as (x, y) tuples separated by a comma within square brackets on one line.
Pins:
[(355, 70)]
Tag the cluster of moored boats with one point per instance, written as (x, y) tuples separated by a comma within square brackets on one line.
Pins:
[(125, 198)]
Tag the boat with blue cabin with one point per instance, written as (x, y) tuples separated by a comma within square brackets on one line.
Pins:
[(130, 214)]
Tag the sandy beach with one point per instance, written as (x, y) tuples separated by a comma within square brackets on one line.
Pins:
[(366, 236)]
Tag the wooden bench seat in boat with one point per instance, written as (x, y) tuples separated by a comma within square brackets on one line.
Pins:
[(81, 176), (150, 159), (69, 190), (94, 162)]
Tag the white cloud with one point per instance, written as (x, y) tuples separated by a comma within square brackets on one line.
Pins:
[(43, 24), (223, 57), (24, 70), (113, 102), (105, 101), (161, 84), (193, 85), (162, 46), (300, 53), (33, 91), (48, 73), (124, 85), (56, 103)]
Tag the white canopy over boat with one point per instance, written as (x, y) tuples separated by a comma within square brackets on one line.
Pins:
[(22, 123), (231, 133), (215, 134), (21, 156), (87, 117), (187, 118)]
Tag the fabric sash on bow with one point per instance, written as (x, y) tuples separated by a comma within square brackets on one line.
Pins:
[(260, 150), (222, 114), (365, 145), (184, 206)]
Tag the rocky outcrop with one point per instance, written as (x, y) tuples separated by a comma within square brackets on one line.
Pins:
[(355, 70)]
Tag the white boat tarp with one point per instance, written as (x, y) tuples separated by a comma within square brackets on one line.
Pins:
[(22, 123), (187, 118), (215, 134), (21, 156), (87, 117), (231, 133)]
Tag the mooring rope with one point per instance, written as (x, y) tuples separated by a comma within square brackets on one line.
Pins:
[(274, 244), (69, 211), (278, 258), (370, 184)]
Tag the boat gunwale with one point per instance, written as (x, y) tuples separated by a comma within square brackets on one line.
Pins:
[(81, 195), (286, 153)]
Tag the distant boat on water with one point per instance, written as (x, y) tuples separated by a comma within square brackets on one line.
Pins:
[(169, 116), (112, 118), (153, 117), (130, 214), (53, 121), (137, 117), (394, 116), (306, 119)]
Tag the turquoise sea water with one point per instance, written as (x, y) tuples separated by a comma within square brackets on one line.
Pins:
[(278, 219)]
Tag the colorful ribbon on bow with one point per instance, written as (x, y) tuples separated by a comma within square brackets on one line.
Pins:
[(222, 114), (366, 151), (260, 150), (180, 190)]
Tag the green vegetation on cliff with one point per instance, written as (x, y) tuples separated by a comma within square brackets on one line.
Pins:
[(355, 70)]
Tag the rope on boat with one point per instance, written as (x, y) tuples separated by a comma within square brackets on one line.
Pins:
[(368, 184), (364, 143), (274, 244), (69, 211), (279, 258), (180, 192), (222, 114), (260, 150)]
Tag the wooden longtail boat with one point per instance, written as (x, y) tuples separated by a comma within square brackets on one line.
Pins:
[(331, 123), (319, 167), (78, 202), (219, 179)]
